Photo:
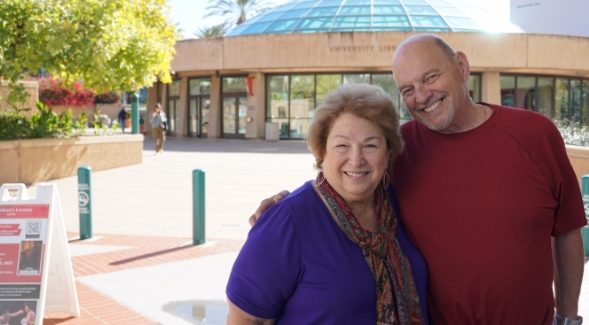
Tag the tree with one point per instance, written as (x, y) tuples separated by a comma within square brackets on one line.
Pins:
[(215, 31), (237, 10), (106, 44)]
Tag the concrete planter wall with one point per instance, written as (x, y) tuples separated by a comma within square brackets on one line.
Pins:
[(112, 110), (579, 157), (31, 87), (38, 160)]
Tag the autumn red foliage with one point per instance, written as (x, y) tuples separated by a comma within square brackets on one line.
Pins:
[(52, 92)]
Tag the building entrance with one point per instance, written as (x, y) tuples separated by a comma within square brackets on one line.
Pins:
[(198, 116), (234, 112)]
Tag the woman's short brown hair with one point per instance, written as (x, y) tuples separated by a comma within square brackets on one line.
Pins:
[(362, 100)]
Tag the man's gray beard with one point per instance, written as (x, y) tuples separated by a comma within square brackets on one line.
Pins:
[(441, 126)]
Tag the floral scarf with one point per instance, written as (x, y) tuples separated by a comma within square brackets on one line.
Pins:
[(397, 301)]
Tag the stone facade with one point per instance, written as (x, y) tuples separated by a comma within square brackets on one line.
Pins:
[(258, 56), (579, 157)]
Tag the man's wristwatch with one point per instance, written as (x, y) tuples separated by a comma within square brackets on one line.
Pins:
[(561, 320)]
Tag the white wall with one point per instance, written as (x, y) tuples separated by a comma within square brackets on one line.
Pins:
[(561, 17)]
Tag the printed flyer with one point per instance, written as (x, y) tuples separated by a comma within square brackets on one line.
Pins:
[(23, 242)]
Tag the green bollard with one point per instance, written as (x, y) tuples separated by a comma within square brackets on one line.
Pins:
[(135, 113), (585, 230), (85, 201), (198, 207)]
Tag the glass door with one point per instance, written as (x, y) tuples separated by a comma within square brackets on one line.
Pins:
[(193, 117), (172, 116), (199, 91), (234, 114), (241, 112), (198, 116), (205, 104)]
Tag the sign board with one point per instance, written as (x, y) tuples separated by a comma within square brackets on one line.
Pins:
[(35, 267)]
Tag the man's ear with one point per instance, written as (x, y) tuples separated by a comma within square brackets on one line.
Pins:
[(462, 61)]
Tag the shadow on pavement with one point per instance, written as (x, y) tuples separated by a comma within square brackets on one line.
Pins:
[(226, 145)]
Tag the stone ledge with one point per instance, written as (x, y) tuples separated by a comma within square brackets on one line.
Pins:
[(579, 157), (38, 160)]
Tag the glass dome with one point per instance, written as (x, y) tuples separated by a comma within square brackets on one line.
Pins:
[(317, 16)]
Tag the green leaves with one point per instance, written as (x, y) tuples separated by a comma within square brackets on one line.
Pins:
[(215, 31), (237, 11), (43, 124), (107, 44)]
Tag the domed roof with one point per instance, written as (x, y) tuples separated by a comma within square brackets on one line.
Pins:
[(317, 16)]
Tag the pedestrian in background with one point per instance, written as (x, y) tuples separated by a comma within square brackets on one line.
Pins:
[(122, 118), (159, 124)]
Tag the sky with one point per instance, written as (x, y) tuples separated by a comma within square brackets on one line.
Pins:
[(189, 14)]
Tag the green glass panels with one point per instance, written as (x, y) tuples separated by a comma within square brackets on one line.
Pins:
[(312, 16)]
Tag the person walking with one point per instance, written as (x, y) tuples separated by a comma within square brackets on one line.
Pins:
[(159, 125), (122, 118)]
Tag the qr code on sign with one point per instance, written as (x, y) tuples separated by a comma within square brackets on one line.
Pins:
[(33, 228)]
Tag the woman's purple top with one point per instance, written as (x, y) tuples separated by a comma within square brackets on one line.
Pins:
[(299, 267)]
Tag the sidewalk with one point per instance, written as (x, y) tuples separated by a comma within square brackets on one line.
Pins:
[(140, 267)]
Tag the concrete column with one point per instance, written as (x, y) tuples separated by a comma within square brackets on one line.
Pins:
[(256, 107), (491, 88), (214, 130), (150, 104)]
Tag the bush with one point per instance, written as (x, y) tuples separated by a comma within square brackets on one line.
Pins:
[(43, 124), (52, 92), (573, 133), (112, 97)]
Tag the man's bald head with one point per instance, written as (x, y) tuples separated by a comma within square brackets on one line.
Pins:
[(426, 39)]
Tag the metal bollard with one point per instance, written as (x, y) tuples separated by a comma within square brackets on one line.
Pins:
[(85, 201), (585, 230), (198, 207), (135, 113)]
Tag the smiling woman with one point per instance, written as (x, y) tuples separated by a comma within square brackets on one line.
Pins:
[(312, 248)]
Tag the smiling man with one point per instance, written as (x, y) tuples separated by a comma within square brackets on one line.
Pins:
[(483, 189)]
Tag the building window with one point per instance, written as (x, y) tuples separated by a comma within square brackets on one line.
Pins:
[(327, 83), (302, 105), (575, 100), (545, 96), (585, 102), (474, 87), (278, 103), (233, 85), (525, 96), (560, 98), (356, 79), (291, 99), (388, 84), (173, 106), (507, 85)]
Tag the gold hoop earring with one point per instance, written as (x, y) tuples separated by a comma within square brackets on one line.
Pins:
[(385, 180)]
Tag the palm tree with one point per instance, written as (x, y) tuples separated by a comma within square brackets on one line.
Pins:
[(215, 31), (236, 11)]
